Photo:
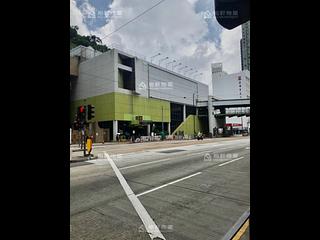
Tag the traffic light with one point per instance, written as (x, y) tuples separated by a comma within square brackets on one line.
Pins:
[(82, 114), (232, 13), (91, 112)]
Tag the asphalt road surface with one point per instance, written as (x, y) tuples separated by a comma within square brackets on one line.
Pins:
[(193, 192)]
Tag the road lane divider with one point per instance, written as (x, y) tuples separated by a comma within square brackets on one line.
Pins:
[(233, 160), (147, 163), (167, 184), (162, 160), (151, 228)]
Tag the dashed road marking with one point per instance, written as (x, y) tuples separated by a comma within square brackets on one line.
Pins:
[(233, 160), (147, 163), (167, 184)]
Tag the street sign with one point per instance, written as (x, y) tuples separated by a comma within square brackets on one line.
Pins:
[(139, 118), (233, 125)]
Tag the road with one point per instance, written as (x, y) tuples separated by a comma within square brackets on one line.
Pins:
[(194, 191)]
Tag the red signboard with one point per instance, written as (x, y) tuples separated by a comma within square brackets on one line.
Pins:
[(233, 125)]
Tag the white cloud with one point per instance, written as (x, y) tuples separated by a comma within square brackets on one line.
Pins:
[(230, 49), (192, 1), (174, 29), (77, 19)]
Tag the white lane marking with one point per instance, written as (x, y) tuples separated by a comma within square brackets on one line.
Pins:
[(222, 164), (225, 148), (194, 154), (164, 160), (167, 184), (247, 147), (151, 228), (147, 163)]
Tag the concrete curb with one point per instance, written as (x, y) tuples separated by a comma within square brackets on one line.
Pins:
[(82, 159), (232, 232)]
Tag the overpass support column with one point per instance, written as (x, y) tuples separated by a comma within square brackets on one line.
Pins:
[(210, 115), (184, 112), (115, 129), (213, 121), (149, 129)]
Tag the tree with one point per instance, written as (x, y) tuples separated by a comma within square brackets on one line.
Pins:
[(73, 31), (92, 40)]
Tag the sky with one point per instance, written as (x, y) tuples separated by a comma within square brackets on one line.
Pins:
[(183, 30)]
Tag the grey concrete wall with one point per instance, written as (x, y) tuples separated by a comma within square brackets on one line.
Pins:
[(96, 77), (99, 75), (176, 88), (203, 92), (141, 73)]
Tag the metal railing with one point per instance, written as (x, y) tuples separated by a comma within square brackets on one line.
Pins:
[(238, 111), (143, 57), (128, 51), (233, 112), (84, 52)]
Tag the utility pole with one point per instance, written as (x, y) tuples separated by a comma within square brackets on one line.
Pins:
[(242, 122), (82, 110), (162, 118), (84, 131), (84, 140), (194, 118)]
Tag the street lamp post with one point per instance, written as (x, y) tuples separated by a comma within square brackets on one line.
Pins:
[(167, 64), (151, 58), (161, 60), (182, 68), (188, 70), (162, 118), (199, 74), (173, 66), (194, 118), (193, 73), (241, 122)]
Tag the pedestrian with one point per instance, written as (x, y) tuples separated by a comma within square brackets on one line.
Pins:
[(89, 144)]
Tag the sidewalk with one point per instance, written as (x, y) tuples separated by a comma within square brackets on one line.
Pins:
[(95, 144), (81, 158), (123, 148), (165, 141)]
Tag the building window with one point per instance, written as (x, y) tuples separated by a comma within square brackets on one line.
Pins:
[(126, 78), (239, 77)]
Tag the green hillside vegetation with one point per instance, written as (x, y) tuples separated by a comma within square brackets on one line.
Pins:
[(92, 40)]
